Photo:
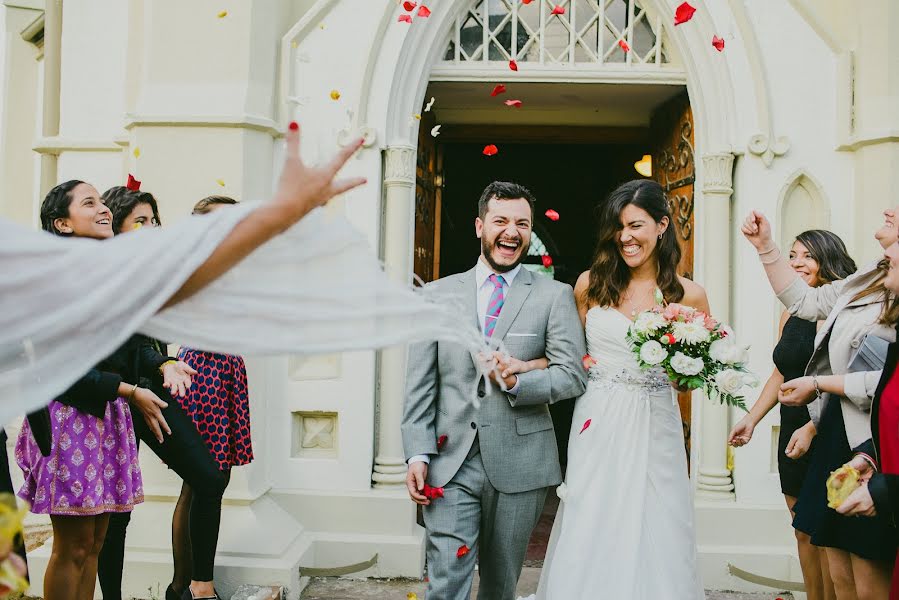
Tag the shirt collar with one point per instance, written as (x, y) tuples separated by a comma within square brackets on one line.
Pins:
[(483, 271)]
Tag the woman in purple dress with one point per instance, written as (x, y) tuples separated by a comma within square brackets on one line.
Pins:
[(82, 465)]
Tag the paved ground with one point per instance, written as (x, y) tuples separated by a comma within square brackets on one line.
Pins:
[(396, 589)]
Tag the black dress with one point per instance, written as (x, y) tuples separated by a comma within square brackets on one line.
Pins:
[(873, 538), (791, 356)]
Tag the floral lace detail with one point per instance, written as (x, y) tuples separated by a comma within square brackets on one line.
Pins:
[(653, 381)]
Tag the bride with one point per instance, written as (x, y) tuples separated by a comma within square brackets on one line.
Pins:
[(625, 523)]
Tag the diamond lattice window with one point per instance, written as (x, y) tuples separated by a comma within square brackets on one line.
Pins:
[(589, 31)]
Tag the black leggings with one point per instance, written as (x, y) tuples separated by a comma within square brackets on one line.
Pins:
[(186, 454)]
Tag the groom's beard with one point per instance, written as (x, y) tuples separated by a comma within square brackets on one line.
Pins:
[(487, 248)]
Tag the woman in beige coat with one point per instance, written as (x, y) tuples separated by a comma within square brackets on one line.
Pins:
[(860, 553)]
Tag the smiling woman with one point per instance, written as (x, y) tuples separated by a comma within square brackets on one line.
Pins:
[(74, 208)]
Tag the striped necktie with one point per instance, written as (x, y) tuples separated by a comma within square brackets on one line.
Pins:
[(495, 305)]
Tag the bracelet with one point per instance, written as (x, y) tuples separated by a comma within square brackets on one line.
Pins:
[(170, 361), (817, 389), (770, 262), (131, 393)]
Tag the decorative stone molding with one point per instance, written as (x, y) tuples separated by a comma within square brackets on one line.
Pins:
[(718, 173), (399, 166), (307, 368), (245, 121), (314, 434), (761, 145)]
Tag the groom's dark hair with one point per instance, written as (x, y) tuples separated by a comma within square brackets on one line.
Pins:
[(504, 190)]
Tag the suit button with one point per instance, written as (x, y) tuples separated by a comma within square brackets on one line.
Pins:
[(474, 425), (481, 393)]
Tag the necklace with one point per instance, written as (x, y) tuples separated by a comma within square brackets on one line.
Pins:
[(630, 301)]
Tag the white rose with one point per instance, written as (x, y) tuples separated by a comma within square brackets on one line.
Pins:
[(652, 352), (690, 332), (729, 381), (685, 365), (725, 351), (562, 492), (648, 322)]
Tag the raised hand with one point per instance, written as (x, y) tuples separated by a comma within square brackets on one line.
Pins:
[(302, 187), (757, 230), (176, 377)]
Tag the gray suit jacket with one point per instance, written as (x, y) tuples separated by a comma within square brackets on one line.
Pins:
[(517, 441)]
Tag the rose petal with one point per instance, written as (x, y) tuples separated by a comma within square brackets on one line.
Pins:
[(441, 441), (435, 130), (221, 182), (490, 150), (683, 13), (547, 261), (417, 117), (429, 104), (526, 1), (404, 19), (222, 14), (462, 551), (514, 103), (132, 184), (424, 12), (558, 9), (497, 90), (513, 65), (588, 361), (624, 46), (409, 6), (552, 215), (335, 95), (137, 152), (586, 425), (718, 43), (411, 596)]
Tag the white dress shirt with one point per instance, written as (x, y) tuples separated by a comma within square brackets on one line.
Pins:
[(482, 273)]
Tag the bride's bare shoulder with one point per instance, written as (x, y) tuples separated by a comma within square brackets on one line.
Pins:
[(694, 294), (582, 283)]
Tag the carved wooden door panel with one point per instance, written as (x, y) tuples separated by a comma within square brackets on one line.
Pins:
[(673, 168), (428, 192)]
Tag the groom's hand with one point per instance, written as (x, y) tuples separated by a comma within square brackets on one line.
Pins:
[(415, 482), (503, 365)]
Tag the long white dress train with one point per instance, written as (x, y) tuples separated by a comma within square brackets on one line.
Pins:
[(624, 528)]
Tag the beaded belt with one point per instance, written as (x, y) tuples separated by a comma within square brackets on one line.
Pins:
[(649, 381)]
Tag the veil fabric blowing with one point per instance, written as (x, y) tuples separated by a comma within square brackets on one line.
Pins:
[(67, 303)]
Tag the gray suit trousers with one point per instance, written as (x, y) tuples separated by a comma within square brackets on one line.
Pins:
[(495, 526)]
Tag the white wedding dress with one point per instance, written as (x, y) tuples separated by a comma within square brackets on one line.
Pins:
[(625, 523)]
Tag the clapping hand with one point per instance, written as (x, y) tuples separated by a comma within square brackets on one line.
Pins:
[(797, 392), (176, 377)]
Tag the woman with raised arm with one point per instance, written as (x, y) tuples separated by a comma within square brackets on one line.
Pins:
[(838, 392), (818, 257)]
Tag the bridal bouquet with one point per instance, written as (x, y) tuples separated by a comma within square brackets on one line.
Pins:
[(695, 350)]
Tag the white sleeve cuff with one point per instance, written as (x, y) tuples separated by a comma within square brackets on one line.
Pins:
[(514, 389), (420, 458)]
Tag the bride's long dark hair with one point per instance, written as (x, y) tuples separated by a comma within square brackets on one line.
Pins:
[(609, 274)]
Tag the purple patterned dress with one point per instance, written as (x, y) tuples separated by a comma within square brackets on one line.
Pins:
[(92, 468)]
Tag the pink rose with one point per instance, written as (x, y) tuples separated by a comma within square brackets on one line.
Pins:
[(710, 323), (672, 312)]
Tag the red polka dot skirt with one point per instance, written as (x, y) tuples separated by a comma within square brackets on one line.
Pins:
[(219, 404)]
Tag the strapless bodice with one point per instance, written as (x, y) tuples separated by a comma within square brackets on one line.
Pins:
[(606, 333)]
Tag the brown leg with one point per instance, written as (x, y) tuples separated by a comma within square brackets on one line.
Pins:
[(872, 578), (73, 541), (809, 560), (841, 573), (89, 573)]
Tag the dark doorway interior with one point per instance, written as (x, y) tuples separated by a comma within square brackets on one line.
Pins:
[(569, 178)]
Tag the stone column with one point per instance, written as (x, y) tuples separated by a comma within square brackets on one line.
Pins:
[(399, 229), (714, 481)]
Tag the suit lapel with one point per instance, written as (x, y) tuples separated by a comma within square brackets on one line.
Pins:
[(518, 293)]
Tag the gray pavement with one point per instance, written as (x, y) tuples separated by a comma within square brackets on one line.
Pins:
[(397, 589)]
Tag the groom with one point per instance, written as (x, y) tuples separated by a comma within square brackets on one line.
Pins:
[(494, 452)]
